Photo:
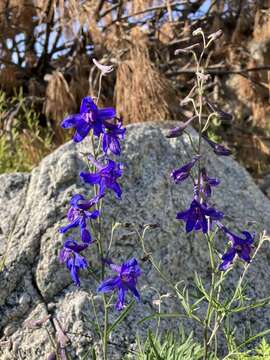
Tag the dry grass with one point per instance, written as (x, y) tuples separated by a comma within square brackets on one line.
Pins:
[(59, 101), (139, 5), (141, 92), (33, 147), (254, 153)]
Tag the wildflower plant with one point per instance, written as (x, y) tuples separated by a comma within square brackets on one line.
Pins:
[(209, 307), (105, 132)]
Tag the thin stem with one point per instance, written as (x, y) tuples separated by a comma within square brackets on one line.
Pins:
[(100, 248), (175, 289), (98, 207), (239, 284), (105, 336), (191, 141), (208, 121), (200, 89), (99, 87), (96, 317), (209, 309), (200, 92)]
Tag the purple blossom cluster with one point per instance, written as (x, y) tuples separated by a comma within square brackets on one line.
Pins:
[(107, 128), (200, 216)]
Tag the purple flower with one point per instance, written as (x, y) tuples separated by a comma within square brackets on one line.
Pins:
[(126, 279), (78, 214), (111, 136), (239, 246), (196, 216), (220, 113), (179, 130), (105, 177), (90, 117), (74, 261), (218, 148), (184, 172), (205, 185)]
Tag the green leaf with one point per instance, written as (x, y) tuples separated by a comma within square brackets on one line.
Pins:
[(121, 317), (160, 315), (154, 347), (252, 338)]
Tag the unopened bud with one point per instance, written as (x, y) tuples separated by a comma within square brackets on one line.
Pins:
[(52, 356), (152, 226), (105, 69), (216, 35), (202, 76), (197, 32), (224, 116), (186, 49)]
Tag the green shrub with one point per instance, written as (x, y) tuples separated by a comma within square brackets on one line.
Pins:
[(23, 142)]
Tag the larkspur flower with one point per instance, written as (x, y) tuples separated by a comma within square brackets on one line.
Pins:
[(218, 148), (183, 172), (90, 117), (111, 135), (74, 261), (179, 130), (106, 176), (126, 279), (240, 246), (206, 184), (223, 115), (78, 213), (196, 217)]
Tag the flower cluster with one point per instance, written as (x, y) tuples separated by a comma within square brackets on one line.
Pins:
[(201, 216), (104, 125)]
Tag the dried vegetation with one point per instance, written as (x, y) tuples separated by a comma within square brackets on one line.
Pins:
[(46, 48)]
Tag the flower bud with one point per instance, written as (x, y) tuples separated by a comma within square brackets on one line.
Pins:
[(186, 49), (52, 356), (197, 31), (216, 35)]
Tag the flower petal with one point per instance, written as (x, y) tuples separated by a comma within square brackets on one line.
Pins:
[(73, 272), (73, 224), (75, 198), (92, 214), (121, 299), (134, 292), (116, 188), (114, 146), (81, 132), (244, 254), (74, 246), (106, 113), (72, 121), (80, 262), (88, 105), (191, 221), (90, 178), (86, 236), (109, 284)]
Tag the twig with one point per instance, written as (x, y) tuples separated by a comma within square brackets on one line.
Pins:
[(154, 8), (219, 71)]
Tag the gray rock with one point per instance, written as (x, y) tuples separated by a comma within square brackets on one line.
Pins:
[(264, 185), (33, 206)]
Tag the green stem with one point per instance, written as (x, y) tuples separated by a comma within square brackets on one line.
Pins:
[(98, 207), (105, 336), (210, 304)]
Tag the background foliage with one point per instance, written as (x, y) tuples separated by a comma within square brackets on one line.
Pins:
[(46, 49)]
